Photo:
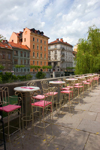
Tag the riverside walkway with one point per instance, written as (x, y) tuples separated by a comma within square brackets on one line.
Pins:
[(79, 130)]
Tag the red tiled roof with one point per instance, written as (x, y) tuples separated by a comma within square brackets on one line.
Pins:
[(5, 45), (19, 45), (57, 41)]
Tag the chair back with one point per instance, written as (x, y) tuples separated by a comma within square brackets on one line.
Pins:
[(4, 95), (51, 94), (45, 86), (31, 83)]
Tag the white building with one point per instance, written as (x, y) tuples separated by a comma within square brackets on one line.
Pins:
[(60, 55)]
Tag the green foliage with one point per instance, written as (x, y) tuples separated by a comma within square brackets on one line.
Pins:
[(0, 79), (88, 54), (21, 78), (25, 77), (2, 38), (46, 67), (14, 78), (9, 77), (1, 67), (19, 66), (49, 67), (28, 77), (70, 68), (35, 67), (6, 77), (40, 75)]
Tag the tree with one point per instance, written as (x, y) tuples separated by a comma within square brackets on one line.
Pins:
[(19, 66), (2, 38), (46, 67), (88, 53), (35, 67), (1, 67)]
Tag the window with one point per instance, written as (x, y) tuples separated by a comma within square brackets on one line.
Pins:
[(55, 46), (40, 47), (28, 62), (33, 46), (28, 70), (45, 63), (33, 54), (44, 48), (49, 57), (9, 56), (24, 54), (21, 54), (3, 55), (37, 55), (41, 63), (37, 40), (24, 62), (55, 52), (56, 57), (37, 62), (24, 39), (24, 70), (49, 52), (21, 62), (44, 55), (15, 61), (28, 55), (44, 42), (9, 66), (33, 63), (40, 41), (41, 55), (4, 65), (16, 69), (33, 39), (15, 53), (37, 47)]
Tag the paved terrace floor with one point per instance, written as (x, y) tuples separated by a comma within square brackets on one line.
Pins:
[(79, 130)]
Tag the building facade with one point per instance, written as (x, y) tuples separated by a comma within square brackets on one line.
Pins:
[(21, 56), (60, 55), (37, 43), (6, 55)]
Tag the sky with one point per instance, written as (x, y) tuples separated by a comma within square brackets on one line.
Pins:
[(67, 19)]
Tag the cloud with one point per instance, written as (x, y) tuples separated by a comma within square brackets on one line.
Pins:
[(67, 19)]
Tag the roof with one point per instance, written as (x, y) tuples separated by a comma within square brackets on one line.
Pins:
[(57, 41), (33, 30), (5, 45), (18, 45)]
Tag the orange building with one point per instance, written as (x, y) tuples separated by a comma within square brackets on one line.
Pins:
[(37, 42)]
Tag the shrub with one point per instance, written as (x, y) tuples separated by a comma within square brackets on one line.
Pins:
[(29, 77), (0, 79), (40, 75), (22, 78)]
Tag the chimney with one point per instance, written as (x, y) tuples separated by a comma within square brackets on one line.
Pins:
[(57, 40), (61, 40), (5, 41)]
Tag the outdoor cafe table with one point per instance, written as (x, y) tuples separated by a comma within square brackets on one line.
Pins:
[(26, 92), (71, 79)]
